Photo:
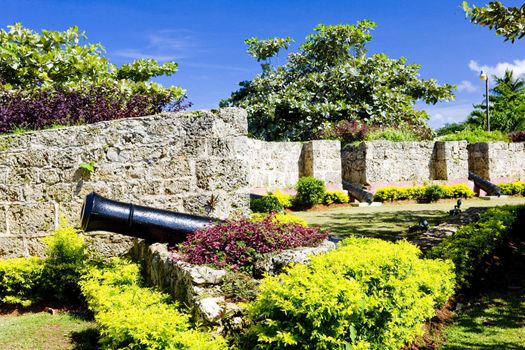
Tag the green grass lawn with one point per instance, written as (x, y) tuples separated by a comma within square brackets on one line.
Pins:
[(43, 331), (493, 321), (390, 221)]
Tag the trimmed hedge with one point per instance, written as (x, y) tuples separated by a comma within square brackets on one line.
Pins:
[(431, 193), (513, 188), (310, 191), (474, 242), (133, 317), (368, 294), (20, 280), (265, 204)]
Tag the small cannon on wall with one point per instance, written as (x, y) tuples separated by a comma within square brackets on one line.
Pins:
[(485, 185), (163, 226)]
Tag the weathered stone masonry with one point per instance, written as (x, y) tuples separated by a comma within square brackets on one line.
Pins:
[(171, 161)]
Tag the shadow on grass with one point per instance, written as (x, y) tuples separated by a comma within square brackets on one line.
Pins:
[(488, 316), (385, 225), (86, 339)]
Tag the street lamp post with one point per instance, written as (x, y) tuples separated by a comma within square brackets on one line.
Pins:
[(485, 77)]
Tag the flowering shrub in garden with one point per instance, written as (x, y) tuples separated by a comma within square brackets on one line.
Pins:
[(239, 243), (53, 78)]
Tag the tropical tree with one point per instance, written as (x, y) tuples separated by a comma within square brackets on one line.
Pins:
[(508, 21), (330, 80), (506, 105), (55, 77)]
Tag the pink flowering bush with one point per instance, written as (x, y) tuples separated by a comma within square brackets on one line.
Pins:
[(239, 243)]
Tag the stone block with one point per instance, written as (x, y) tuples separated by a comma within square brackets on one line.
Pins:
[(29, 219)]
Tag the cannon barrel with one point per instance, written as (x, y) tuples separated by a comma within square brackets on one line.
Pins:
[(485, 185), (357, 192), (102, 214)]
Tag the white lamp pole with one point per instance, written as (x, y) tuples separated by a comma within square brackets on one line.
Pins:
[(485, 77)]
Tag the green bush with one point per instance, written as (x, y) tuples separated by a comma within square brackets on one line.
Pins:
[(285, 199), (310, 191), (133, 317), (265, 204), (368, 294), (335, 197), (431, 193), (475, 135), (513, 188), (391, 134), (282, 219), (20, 280), (473, 242), (66, 255), (54, 278)]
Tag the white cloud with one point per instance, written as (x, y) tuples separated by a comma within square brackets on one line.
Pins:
[(136, 54), (448, 113), (467, 86), (517, 66), (162, 45)]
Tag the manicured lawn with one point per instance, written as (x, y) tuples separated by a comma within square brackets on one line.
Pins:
[(43, 331), (390, 221), (493, 321)]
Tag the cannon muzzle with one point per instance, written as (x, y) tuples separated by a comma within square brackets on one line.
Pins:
[(102, 214)]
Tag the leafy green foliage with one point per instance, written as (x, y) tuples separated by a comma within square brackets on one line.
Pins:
[(66, 256), (368, 294), (335, 197), (513, 188), (508, 21), (26, 280), (88, 167), (310, 191), (285, 199), (473, 242), (392, 134), (282, 219), (331, 79), (20, 280), (475, 135), (134, 317), (58, 67), (432, 193), (265, 204), (263, 50)]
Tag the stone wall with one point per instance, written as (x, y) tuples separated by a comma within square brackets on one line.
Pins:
[(378, 163), (275, 165), (497, 161), (170, 161)]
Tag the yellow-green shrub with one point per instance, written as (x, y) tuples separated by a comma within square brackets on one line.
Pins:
[(433, 192), (280, 218), (335, 197), (285, 199), (513, 188), (368, 294), (133, 317), (20, 280), (473, 242)]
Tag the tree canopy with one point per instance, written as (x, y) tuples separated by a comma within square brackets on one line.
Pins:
[(328, 80), (509, 22), (506, 105)]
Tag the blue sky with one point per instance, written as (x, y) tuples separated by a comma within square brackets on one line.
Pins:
[(206, 38)]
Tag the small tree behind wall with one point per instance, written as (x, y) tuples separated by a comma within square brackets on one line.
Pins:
[(329, 80)]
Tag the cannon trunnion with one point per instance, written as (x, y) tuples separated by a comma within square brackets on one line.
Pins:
[(102, 214)]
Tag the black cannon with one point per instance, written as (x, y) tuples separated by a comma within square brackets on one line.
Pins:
[(485, 185), (163, 226), (357, 192)]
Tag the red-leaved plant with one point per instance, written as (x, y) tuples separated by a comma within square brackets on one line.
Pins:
[(239, 243), (517, 136)]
